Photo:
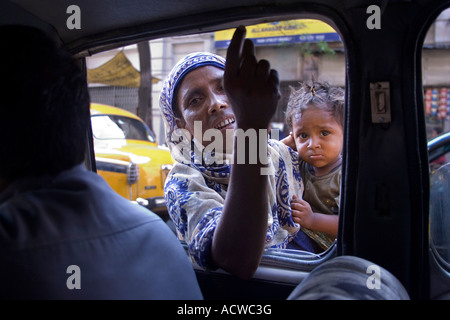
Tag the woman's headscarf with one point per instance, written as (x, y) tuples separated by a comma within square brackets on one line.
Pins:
[(184, 66)]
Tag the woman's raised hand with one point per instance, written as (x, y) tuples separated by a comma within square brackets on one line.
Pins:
[(253, 89)]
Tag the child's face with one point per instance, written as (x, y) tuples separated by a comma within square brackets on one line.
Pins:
[(319, 139)]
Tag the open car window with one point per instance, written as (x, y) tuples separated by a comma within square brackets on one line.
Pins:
[(299, 49)]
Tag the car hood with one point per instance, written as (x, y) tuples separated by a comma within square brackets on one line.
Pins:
[(139, 152)]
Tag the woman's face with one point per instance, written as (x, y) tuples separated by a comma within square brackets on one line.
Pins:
[(202, 101)]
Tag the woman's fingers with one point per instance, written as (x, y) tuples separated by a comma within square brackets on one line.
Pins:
[(248, 48), (234, 52), (251, 86), (248, 69), (263, 70)]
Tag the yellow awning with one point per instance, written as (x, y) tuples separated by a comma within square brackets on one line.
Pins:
[(117, 72)]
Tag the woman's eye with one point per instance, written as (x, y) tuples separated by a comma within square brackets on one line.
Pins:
[(193, 101)]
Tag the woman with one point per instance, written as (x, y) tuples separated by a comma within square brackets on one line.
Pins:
[(225, 206)]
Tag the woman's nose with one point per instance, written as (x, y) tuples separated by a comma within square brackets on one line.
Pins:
[(217, 103)]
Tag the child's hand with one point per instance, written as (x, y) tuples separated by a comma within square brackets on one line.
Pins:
[(289, 141), (251, 86), (302, 212)]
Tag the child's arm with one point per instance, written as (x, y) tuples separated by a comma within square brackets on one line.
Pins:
[(303, 215), (289, 141)]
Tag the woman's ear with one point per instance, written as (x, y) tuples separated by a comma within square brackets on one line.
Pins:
[(180, 123)]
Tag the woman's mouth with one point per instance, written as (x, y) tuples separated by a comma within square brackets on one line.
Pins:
[(225, 123)]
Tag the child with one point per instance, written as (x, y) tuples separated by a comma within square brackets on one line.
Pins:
[(315, 116)]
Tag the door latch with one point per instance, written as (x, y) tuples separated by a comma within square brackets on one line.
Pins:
[(380, 102)]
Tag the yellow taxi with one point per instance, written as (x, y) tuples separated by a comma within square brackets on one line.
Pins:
[(128, 157)]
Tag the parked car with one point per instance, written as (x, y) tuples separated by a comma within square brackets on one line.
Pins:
[(438, 149), (128, 157)]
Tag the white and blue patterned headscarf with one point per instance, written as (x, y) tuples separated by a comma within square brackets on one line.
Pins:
[(173, 134), (195, 192), (173, 80)]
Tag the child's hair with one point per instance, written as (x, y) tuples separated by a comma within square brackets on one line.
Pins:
[(318, 94)]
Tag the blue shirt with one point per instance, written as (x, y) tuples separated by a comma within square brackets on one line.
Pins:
[(57, 233)]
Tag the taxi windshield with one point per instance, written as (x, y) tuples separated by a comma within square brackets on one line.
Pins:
[(120, 127)]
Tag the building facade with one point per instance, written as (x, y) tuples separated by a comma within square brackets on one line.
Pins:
[(297, 55)]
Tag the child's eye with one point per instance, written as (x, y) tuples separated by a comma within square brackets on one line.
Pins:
[(325, 133), (303, 135)]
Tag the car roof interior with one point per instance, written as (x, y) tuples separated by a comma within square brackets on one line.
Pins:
[(108, 24)]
